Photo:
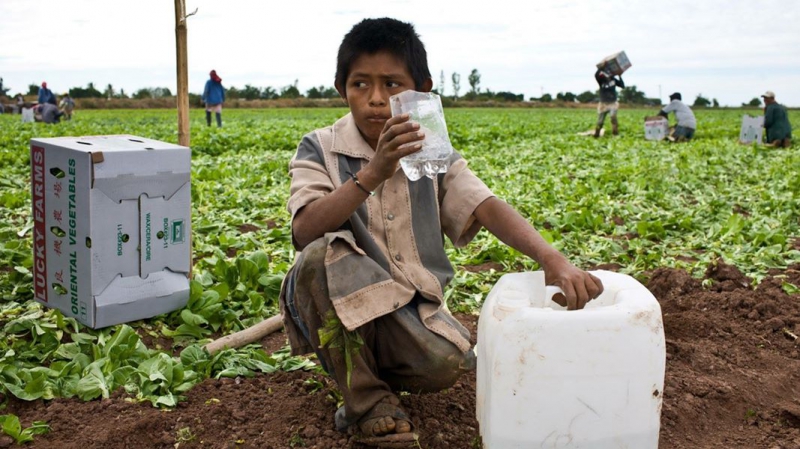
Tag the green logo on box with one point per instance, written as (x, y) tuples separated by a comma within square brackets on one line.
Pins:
[(178, 234)]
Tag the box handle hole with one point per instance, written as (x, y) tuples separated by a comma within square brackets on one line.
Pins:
[(57, 172)]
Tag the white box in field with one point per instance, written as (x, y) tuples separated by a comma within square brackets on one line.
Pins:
[(111, 227), (656, 128), (752, 129)]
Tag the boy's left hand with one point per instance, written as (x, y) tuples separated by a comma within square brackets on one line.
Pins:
[(579, 286)]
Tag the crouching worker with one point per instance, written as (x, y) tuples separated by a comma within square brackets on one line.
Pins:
[(776, 122), (686, 123), (366, 292)]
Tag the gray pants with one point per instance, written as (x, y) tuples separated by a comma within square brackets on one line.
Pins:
[(399, 352)]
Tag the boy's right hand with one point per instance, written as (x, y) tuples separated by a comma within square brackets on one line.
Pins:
[(396, 141)]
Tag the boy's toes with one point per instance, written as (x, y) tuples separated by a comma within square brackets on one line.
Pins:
[(403, 427), (383, 426)]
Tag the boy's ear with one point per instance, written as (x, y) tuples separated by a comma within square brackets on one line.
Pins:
[(342, 92), (427, 86)]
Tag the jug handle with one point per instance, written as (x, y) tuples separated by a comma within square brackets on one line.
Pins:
[(550, 291)]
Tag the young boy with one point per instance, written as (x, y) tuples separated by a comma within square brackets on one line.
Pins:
[(373, 258)]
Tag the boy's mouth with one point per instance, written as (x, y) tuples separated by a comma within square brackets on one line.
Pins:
[(377, 118)]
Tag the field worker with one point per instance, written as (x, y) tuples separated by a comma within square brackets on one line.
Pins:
[(46, 95), (373, 267), (49, 113), (776, 122), (67, 105), (608, 100), (213, 97), (686, 123)]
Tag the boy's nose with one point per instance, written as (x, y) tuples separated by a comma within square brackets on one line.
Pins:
[(377, 98)]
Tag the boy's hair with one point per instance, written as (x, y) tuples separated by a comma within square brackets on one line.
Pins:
[(373, 35)]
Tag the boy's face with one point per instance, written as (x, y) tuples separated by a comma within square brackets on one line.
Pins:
[(373, 78)]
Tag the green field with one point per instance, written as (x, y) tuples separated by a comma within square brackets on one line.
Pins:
[(638, 205)]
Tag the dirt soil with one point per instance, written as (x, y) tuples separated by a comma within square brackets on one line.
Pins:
[(732, 381)]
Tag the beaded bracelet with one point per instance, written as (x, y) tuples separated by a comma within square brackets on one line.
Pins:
[(358, 184)]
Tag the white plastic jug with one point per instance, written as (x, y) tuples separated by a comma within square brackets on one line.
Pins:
[(552, 378)]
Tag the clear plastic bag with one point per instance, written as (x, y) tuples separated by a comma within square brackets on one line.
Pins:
[(425, 109)]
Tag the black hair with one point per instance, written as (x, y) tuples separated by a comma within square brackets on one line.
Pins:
[(675, 96), (373, 35)]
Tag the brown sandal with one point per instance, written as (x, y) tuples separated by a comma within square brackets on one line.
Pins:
[(388, 407)]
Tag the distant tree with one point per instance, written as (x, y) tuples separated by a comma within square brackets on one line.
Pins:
[(441, 82), (150, 92), (322, 92), (587, 97), (33, 89), (159, 92), (315, 92), (568, 97), (139, 94), (232, 93), (109, 92), (701, 102), (508, 96), (250, 92), (474, 79), (755, 102), (122, 94), (3, 90), (632, 95), (330, 92), (88, 92), (269, 93), (715, 103), (291, 91), (546, 98), (456, 78)]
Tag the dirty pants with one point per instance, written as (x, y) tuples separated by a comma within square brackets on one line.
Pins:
[(399, 352)]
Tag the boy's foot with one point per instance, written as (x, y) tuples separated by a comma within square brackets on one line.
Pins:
[(386, 426)]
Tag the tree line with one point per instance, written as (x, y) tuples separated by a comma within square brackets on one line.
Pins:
[(629, 95)]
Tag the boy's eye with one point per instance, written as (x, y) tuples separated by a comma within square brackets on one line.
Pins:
[(392, 84), (359, 84)]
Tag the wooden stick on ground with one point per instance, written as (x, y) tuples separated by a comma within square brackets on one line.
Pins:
[(246, 336)]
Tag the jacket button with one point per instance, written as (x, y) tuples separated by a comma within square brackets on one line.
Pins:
[(397, 257), (390, 216)]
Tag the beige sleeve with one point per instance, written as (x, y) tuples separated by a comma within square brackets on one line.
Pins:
[(461, 192), (310, 178)]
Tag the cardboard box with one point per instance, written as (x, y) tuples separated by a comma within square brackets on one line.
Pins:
[(111, 227), (656, 128), (752, 129), (615, 64)]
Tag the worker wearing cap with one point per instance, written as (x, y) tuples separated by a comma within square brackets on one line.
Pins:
[(684, 129), (776, 122)]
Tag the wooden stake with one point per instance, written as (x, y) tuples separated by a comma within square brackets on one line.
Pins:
[(183, 77), (246, 336)]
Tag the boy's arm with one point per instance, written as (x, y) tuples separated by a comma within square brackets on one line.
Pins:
[(328, 213), (512, 229)]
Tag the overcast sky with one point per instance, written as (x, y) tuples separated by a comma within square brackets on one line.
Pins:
[(731, 50)]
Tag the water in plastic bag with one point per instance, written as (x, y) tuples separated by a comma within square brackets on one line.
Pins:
[(425, 109)]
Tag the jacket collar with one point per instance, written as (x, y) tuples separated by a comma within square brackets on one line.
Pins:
[(347, 139)]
